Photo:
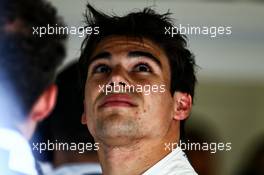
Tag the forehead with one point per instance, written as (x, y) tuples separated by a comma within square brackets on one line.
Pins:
[(124, 44)]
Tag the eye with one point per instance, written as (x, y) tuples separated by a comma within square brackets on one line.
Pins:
[(101, 68), (142, 67)]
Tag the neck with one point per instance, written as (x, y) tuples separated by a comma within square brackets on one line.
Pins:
[(65, 157), (135, 158)]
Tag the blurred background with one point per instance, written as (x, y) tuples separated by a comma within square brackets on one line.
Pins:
[(229, 102)]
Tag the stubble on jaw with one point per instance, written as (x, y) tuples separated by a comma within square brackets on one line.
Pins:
[(119, 127)]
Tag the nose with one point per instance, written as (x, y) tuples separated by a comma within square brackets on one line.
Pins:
[(118, 77)]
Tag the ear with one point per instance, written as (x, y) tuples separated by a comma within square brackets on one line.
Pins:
[(45, 103), (84, 120), (182, 105)]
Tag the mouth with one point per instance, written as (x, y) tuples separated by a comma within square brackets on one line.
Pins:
[(117, 100)]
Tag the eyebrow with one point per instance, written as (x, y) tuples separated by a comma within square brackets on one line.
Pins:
[(131, 54), (145, 54)]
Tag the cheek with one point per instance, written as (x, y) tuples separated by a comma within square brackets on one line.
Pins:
[(158, 107), (144, 79), (91, 92)]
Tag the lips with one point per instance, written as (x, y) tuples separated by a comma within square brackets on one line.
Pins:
[(117, 100)]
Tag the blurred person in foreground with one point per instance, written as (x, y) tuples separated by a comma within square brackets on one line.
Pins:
[(132, 126), (28, 64), (78, 155)]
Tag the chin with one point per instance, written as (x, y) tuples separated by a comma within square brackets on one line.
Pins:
[(118, 131), (117, 141)]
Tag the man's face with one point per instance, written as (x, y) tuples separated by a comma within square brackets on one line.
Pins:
[(118, 117)]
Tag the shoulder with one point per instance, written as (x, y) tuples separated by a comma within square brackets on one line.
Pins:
[(175, 163), (17, 156)]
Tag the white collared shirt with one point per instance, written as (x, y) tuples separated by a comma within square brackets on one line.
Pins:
[(175, 163)]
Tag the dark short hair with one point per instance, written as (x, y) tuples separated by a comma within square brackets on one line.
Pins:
[(28, 60), (69, 108), (144, 24), (64, 123)]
